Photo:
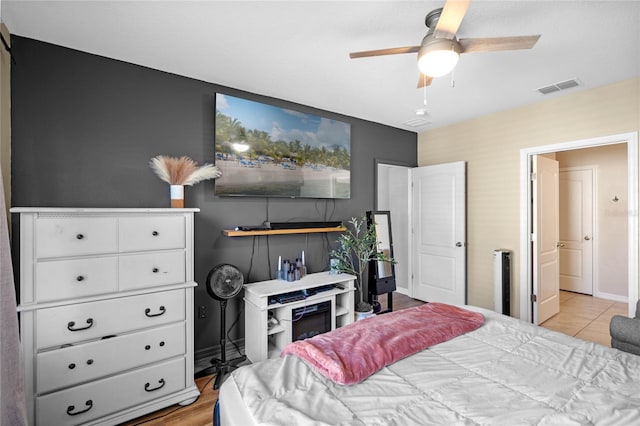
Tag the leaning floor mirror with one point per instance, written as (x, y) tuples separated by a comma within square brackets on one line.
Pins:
[(382, 277)]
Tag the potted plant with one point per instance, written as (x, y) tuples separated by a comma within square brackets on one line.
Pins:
[(358, 246)]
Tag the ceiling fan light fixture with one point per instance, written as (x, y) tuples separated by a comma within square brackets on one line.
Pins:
[(438, 56)]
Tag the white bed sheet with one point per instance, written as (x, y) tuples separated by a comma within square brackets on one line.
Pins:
[(507, 372)]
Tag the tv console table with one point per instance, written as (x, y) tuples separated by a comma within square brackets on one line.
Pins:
[(268, 322)]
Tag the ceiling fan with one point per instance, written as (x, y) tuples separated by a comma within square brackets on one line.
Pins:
[(439, 51)]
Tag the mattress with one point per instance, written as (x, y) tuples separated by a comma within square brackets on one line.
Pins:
[(507, 372)]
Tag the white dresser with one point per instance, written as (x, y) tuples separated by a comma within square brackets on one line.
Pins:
[(106, 312)]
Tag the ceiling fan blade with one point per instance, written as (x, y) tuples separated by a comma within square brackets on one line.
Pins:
[(493, 44), (424, 80), (382, 52), (451, 18)]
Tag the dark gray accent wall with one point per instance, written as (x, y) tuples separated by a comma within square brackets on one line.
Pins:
[(84, 128)]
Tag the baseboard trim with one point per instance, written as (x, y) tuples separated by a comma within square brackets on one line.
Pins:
[(614, 297)]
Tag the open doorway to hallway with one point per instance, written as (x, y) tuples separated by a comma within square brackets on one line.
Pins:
[(593, 242), (529, 284)]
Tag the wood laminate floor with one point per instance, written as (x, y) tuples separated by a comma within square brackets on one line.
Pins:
[(581, 316), (200, 413)]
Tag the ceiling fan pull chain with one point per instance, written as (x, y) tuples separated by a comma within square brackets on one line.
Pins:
[(453, 80), (424, 92)]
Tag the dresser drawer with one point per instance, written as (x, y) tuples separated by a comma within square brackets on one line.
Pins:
[(72, 365), (151, 269), (84, 321), (69, 279), (93, 400), (151, 233), (71, 236)]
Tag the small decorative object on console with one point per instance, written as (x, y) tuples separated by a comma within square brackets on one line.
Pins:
[(291, 271), (333, 266), (178, 172)]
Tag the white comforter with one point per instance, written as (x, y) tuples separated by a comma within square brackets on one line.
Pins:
[(507, 372)]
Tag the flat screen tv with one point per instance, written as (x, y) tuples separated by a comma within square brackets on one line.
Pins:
[(268, 151)]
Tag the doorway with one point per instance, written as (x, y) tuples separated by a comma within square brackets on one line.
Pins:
[(429, 207), (392, 184), (526, 264)]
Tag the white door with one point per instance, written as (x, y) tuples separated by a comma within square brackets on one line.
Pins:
[(545, 238), (439, 233), (576, 230)]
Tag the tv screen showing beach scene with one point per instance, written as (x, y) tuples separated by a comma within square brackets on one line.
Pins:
[(268, 151)]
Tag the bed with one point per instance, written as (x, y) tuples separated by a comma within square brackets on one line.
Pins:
[(505, 372)]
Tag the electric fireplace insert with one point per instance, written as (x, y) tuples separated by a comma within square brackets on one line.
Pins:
[(309, 321)]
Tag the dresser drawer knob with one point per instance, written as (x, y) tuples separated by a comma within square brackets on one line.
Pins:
[(155, 270), (161, 344), (79, 278), (147, 347), (89, 361), (72, 366), (79, 236), (148, 313), (155, 233), (72, 324), (148, 387), (71, 409)]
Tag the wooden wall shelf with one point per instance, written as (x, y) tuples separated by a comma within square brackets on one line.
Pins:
[(234, 233)]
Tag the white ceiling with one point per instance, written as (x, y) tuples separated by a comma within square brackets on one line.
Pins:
[(299, 50)]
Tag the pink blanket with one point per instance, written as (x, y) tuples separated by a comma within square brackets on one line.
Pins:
[(350, 354)]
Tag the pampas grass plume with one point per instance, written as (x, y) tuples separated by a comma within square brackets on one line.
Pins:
[(182, 171), (205, 172)]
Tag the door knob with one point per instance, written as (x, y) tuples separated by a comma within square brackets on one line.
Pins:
[(587, 238), (458, 244)]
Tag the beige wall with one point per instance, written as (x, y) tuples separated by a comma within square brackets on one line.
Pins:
[(610, 242), (491, 147)]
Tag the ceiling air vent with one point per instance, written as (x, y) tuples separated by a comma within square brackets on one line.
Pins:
[(548, 89), (416, 122), (567, 84)]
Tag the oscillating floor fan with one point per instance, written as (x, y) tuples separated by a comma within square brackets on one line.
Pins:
[(224, 282)]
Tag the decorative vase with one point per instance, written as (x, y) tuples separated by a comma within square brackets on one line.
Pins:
[(177, 196), (333, 266)]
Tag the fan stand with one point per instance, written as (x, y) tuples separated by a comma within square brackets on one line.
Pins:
[(221, 366)]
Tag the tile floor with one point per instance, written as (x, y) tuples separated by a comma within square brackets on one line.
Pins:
[(585, 317)]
